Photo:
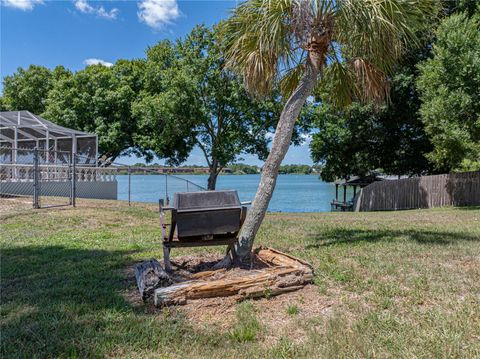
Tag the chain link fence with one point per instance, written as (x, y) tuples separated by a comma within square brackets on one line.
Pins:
[(33, 178), (53, 181), (16, 179)]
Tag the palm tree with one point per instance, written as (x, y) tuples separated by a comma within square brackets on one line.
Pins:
[(350, 46)]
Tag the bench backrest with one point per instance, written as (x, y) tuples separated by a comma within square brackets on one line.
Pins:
[(207, 213)]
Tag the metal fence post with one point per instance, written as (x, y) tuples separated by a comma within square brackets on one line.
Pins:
[(74, 180), (35, 178), (129, 183)]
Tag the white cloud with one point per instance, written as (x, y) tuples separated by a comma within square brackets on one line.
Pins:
[(86, 8), (94, 61), (22, 4), (157, 13)]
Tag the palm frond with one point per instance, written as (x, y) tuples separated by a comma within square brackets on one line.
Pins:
[(338, 83), (259, 40), (290, 80), (374, 34), (382, 30), (265, 40), (371, 83)]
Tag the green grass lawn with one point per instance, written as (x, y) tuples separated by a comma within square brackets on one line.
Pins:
[(391, 284)]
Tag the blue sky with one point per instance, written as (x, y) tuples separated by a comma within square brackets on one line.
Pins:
[(75, 33)]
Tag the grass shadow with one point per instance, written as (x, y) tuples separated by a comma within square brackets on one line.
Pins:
[(339, 236), (467, 208), (68, 302)]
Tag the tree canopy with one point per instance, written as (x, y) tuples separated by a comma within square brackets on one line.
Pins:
[(392, 138), (179, 97), (27, 89), (360, 138), (449, 86), (190, 93), (195, 101), (98, 99)]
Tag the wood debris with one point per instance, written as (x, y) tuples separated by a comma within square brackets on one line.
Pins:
[(282, 273)]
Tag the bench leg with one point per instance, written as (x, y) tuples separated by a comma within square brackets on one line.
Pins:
[(166, 259)]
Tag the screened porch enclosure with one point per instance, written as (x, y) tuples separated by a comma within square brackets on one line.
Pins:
[(22, 131), (40, 159)]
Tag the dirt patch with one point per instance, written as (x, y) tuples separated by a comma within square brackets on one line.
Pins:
[(191, 267), (13, 205), (272, 312), (280, 315)]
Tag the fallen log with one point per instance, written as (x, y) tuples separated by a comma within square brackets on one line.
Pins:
[(283, 274), (150, 275)]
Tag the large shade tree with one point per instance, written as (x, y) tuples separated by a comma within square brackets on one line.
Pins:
[(449, 86), (352, 44), (190, 99), (98, 99), (360, 138)]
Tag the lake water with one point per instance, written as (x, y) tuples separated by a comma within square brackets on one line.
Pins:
[(293, 193)]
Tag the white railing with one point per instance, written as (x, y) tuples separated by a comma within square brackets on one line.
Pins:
[(89, 174), (24, 173)]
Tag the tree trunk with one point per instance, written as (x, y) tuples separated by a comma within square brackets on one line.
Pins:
[(212, 178), (150, 275), (107, 158), (280, 145)]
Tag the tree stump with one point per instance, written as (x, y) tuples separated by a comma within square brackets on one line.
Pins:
[(150, 275)]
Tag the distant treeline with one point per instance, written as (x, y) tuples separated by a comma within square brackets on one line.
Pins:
[(238, 169), (242, 168)]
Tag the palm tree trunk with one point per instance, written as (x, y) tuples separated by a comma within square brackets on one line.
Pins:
[(280, 145)]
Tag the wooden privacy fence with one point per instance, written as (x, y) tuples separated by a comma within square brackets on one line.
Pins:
[(454, 189)]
